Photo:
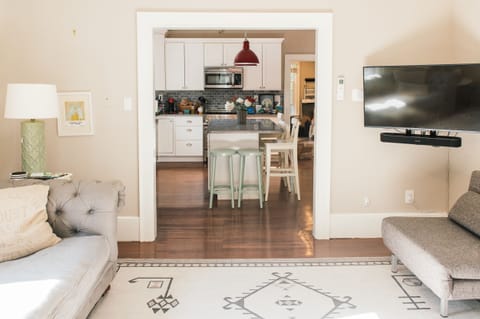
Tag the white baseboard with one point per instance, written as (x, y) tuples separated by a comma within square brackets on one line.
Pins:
[(128, 228), (342, 225), (175, 159), (366, 225)]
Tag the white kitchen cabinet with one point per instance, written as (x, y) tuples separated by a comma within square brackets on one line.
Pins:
[(267, 75), (253, 75), (272, 66), (189, 136), (159, 60), (186, 58), (186, 142), (221, 54), (165, 136), (183, 65)]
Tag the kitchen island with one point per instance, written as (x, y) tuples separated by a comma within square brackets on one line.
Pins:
[(228, 133), (258, 126)]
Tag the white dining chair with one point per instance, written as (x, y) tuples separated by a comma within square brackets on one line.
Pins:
[(288, 163)]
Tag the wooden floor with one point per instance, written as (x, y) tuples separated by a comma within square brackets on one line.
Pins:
[(187, 228)]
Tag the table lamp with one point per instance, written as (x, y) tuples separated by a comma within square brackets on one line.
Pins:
[(32, 102)]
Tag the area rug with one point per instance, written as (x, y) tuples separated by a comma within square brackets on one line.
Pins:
[(353, 288)]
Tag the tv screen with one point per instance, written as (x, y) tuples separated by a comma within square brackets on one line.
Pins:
[(427, 97)]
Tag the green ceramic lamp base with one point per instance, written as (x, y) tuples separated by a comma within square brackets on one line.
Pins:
[(33, 146)]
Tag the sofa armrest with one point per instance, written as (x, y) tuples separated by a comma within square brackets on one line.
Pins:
[(78, 208)]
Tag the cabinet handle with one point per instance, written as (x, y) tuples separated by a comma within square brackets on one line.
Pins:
[(189, 121), (189, 144), (189, 129)]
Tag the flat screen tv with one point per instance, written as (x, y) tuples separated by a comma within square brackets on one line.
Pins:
[(425, 97)]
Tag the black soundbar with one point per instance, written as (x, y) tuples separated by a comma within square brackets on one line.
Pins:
[(433, 140)]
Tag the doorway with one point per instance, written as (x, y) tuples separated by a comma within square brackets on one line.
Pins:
[(298, 67), (300, 91), (147, 22)]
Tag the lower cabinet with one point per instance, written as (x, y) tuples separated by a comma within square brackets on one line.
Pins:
[(165, 136), (184, 138)]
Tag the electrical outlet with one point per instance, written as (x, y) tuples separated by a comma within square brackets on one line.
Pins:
[(409, 196)]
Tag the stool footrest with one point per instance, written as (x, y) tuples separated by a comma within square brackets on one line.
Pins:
[(222, 186), (250, 186)]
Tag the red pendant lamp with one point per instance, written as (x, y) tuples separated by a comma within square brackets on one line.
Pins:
[(246, 57)]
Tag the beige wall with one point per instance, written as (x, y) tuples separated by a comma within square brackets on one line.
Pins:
[(39, 44), (379, 33), (295, 41)]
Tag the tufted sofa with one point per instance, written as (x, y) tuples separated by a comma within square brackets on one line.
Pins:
[(443, 252), (67, 279)]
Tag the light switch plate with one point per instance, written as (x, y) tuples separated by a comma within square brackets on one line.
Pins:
[(357, 95), (127, 103), (340, 88)]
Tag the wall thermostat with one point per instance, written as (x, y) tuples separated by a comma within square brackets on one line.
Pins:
[(340, 88)]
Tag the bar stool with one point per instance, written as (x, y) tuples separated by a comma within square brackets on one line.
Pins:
[(288, 167), (244, 153), (214, 154)]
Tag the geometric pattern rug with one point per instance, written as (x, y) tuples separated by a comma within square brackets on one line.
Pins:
[(353, 288)]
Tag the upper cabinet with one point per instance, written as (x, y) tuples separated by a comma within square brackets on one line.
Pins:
[(183, 64), (185, 59), (267, 75), (221, 54), (159, 59)]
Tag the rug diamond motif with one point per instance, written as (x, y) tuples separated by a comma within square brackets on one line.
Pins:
[(283, 294)]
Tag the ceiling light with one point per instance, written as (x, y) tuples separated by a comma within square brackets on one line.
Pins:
[(246, 57)]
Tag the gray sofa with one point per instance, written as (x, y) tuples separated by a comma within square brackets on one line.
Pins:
[(443, 252), (67, 279)]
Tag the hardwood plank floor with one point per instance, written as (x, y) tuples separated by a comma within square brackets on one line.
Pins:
[(187, 228)]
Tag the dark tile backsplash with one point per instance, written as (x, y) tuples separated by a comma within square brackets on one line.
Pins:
[(216, 98)]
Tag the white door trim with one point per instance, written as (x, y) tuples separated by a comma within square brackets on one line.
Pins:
[(148, 22)]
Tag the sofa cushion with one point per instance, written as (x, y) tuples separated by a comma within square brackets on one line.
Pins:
[(466, 212), (53, 282), (23, 221), (474, 185), (453, 248)]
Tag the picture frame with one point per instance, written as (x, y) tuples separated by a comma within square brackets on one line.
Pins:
[(267, 101), (75, 115)]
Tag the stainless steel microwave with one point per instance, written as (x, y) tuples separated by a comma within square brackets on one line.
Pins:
[(223, 77)]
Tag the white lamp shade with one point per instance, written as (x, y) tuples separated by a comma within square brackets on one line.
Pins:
[(31, 101)]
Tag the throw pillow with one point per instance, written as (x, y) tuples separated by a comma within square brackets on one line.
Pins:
[(466, 212), (24, 228)]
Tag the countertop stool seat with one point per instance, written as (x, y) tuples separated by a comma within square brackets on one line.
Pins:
[(244, 153), (288, 166), (214, 189)]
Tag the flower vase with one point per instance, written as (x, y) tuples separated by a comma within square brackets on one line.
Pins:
[(242, 116)]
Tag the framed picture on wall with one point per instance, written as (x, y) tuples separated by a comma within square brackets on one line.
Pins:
[(75, 114)]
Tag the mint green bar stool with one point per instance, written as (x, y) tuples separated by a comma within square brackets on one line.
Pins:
[(244, 153), (214, 189)]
